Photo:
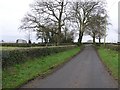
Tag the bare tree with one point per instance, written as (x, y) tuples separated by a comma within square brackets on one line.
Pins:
[(82, 12), (97, 27), (68, 36), (44, 14), (49, 19), (101, 24), (28, 36)]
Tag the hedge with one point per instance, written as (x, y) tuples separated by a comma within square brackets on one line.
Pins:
[(12, 57), (30, 45), (23, 44), (113, 47)]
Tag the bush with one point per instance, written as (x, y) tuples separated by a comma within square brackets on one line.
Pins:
[(21, 45), (12, 57), (113, 47), (30, 45)]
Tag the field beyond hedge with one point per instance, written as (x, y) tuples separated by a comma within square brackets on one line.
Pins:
[(19, 74)]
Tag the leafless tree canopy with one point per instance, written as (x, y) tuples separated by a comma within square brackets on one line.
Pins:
[(83, 13), (50, 19)]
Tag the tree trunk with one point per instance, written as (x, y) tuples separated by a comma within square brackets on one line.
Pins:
[(93, 38), (58, 39), (80, 34), (59, 24), (80, 38), (29, 41), (99, 40), (42, 39)]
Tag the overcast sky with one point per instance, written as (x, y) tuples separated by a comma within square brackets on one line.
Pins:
[(12, 11)]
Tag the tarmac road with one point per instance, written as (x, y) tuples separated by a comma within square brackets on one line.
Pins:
[(83, 71)]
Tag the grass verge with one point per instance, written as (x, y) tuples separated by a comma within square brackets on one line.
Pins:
[(19, 74), (110, 59)]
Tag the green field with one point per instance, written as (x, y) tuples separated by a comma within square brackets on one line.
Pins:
[(110, 59), (21, 73), (14, 48)]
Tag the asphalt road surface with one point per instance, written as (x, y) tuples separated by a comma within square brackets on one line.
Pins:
[(83, 71)]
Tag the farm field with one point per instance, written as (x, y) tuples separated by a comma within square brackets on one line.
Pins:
[(14, 48)]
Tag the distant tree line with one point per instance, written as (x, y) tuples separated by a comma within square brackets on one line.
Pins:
[(59, 21)]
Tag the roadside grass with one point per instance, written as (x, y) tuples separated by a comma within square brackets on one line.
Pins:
[(17, 75), (110, 59)]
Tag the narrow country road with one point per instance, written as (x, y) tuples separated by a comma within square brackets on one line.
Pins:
[(83, 71)]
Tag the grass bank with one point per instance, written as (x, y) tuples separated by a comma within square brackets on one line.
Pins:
[(19, 74), (110, 59)]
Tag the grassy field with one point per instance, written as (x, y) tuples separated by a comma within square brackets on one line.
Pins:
[(14, 48), (19, 74), (110, 59)]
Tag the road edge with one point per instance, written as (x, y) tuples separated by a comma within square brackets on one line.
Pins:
[(52, 70), (107, 69)]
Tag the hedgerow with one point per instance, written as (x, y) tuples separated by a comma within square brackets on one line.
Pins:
[(23, 44), (30, 45), (12, 57), (113, 47)]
